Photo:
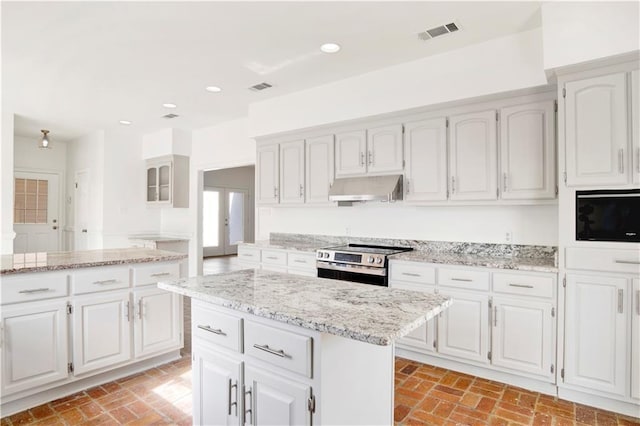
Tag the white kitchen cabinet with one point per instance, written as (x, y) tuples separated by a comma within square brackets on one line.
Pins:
[(275, 400), (463, 328), (292, 172), (351, 154), (527, 148), (514, 318), (596, 133), (426, 160), (384, 149), (319, 169), (102, 331), (597, 333), (215, 375), (267, 174), (423, 337), (635, 339), (168, 181), (635, 125), (473, 158), (34, 345), (157, 324)]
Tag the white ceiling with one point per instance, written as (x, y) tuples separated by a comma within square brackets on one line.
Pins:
[(74, 67)]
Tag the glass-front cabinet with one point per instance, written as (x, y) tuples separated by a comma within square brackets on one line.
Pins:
[(168, 181)]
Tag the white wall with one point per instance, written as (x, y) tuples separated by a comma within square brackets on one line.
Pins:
[(6, 181), (488, 224), (575, 32), (499, 65), (28, 156), (166, 142)]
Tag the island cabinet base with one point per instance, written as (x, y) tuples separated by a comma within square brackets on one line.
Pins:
[(252, 370)]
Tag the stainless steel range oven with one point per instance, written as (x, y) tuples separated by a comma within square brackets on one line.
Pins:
[(358, 263)]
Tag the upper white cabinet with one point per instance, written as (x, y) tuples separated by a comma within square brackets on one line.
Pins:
[(635, 124), (635, 339), (168, 181), (527, 151), (319, 168), (267, 174), (384, 149), (292, 172), (426, 160), (351, 153), (597, 149), (473, 156)]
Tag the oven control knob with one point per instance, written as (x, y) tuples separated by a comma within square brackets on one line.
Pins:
[(370, 259), (326, 255), (379, 260)]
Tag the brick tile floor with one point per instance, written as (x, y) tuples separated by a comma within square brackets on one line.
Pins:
[(425, 395)]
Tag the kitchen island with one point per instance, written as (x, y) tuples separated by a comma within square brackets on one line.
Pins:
[(275, 348)]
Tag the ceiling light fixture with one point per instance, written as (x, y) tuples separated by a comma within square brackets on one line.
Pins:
[(125, 122), (330, 48), (169, 105), (213, 89), (44, 143)]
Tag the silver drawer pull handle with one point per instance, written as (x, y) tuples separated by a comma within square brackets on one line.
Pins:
[(272, 257), (411, 274), (300, 261), (106, 282), (620, 301), (629, 262), (520, 285), (161, 274), (266, 348), (461, 279), (212, 330), (34, 290), (247, 255)]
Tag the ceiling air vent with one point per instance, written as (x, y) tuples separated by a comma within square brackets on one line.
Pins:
[(170, 115), (259, 87), (438, 31)]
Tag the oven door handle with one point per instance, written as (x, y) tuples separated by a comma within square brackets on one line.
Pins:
[(381, 272)]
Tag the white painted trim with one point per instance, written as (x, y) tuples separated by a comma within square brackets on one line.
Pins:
[(626, 408)]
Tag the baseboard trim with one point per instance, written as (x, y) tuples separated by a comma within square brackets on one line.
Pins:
[(604, 403)]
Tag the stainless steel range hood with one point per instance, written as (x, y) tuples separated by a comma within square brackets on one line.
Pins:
[(370, 188)]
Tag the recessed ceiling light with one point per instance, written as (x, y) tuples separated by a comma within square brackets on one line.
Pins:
[(169, 105), (125, 122), (213, 89), (330, 48)]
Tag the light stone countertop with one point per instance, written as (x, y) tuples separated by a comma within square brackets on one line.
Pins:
[(367, 313), (302, 246), (542, 264), (54, 261), (157, 238)]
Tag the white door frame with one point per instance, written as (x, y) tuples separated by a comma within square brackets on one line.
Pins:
[(224, 246)]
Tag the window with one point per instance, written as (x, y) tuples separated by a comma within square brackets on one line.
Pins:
[(31, 199)]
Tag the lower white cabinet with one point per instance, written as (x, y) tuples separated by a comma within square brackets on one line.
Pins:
[(278, 260), (215, 375), (635, 339), (423, 337), (102, 331), (157, 321), (596, 333), (34, 345)]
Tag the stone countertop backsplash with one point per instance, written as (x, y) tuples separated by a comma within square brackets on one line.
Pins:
[(54, 261), (500, 256), (367, 313)]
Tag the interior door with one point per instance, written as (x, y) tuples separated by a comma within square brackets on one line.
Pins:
[(223, 220), (235, 220), (81, 210), (36, 213)]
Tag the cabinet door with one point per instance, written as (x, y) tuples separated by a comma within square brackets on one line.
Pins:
[(152, 184), (473, 156), (34, 345), (351, 151), (596, 130), (635, 340), (217, 389), (635, 124), (596, 333), (463, 329), (319, 169), (274, 400), (158, 321), (426, 160), (423, 337), (527, 148), (384, 149), (164, 183), (292, 172), (267, 174), (511, 320), (101, 330)]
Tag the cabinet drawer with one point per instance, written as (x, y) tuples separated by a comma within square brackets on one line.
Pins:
[(37, 286), (522, 284), (248, 254), (412, 272), (278, 347), (216, 327), (610, 260), (151, 274), (302, 260), (460, 278), (274, 257), (100, 279)]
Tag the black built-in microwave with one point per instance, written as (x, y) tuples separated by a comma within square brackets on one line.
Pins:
[(608, 215)]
